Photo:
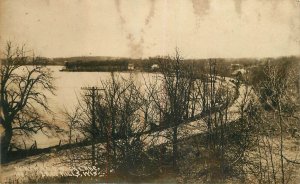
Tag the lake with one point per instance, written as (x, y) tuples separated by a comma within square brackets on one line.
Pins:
[(68, 91), (69, 85)]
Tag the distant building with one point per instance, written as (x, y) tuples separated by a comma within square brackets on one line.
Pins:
[(130, 66), (154, 67)]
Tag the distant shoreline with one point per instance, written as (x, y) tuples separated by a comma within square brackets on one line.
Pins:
[(125, 71)]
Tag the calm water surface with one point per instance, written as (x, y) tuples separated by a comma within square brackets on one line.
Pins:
[(68, 91)]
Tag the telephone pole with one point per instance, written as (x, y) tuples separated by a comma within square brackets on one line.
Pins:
[(93, 95)]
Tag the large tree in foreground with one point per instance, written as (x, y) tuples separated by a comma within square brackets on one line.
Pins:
[(23, 94)]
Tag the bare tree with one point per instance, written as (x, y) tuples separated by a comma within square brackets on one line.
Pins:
[(277, 108), (23, 94), (72, 121), (128, 119), (177, 83), (116, 111)]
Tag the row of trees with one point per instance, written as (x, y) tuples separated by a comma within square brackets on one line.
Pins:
[(247, 121), (139, 130), (127, 115)]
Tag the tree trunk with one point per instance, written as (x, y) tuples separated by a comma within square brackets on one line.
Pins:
[(281, 143), (5, 142), (175, 148)]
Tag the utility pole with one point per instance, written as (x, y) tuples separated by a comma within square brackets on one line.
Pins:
[(93, 95)]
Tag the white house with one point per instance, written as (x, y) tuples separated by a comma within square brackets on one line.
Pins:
[(154, 67), (130, 66)]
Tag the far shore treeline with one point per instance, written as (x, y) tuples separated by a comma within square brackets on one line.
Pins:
[(108, 64)]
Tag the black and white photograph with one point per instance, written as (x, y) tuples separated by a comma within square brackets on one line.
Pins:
[(150, 91)]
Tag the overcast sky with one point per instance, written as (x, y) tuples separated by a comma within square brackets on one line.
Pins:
[(142, 28)]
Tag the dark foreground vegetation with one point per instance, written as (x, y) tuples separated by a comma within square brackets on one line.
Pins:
[(154, 133)]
